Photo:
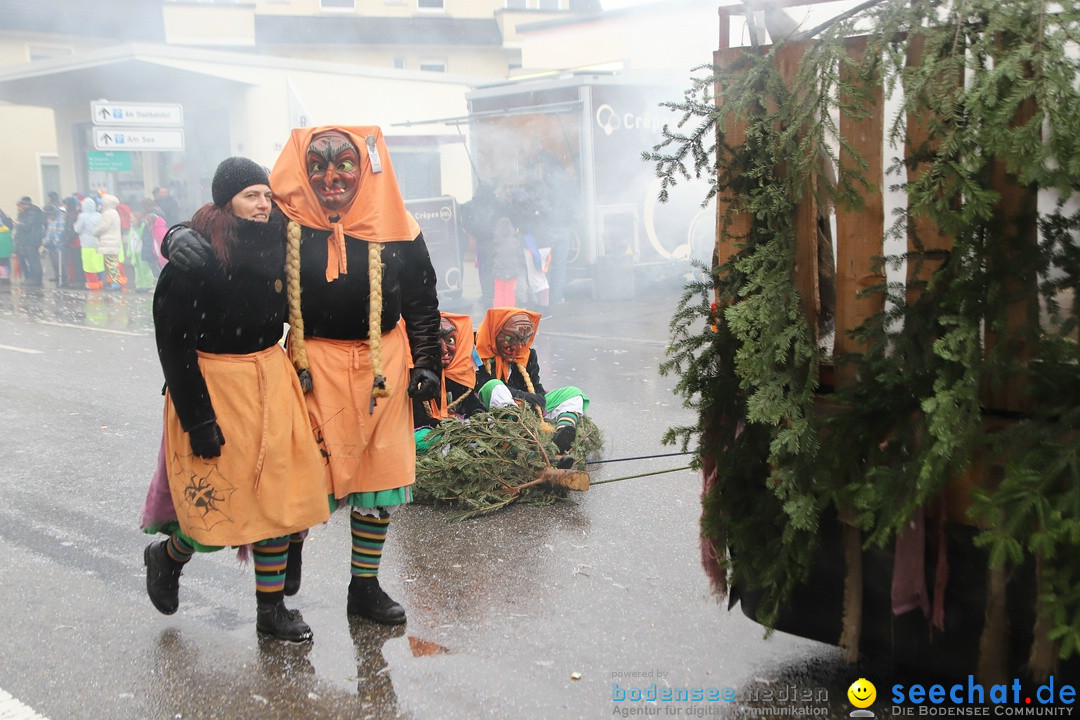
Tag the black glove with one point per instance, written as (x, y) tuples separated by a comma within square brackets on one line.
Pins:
[(423, 384), (187, 249), (206, 439), (534, 399)]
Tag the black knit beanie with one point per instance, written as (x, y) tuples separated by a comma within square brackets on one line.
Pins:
[(233, 175)]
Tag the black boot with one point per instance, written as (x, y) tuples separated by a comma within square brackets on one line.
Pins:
[(564, 437), (293, 567), (275, 620), (367, 599), (162, 577), (564, 462)]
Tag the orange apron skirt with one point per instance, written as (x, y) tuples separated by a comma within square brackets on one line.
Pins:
[(270, 479), (368, 451)]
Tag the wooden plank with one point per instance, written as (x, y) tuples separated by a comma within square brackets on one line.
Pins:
[(1016, 235), (788, 58), (920, 228), (860, 232), (728, 216), (723, 28)]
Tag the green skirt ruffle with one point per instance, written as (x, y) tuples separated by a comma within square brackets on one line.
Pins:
[(172, 527), (371, 500)]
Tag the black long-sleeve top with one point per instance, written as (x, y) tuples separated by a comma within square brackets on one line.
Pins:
[(514, 378), (339, 309), (237, 309)]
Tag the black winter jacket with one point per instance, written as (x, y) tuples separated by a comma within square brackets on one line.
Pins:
[(29, 228), (237, 309)]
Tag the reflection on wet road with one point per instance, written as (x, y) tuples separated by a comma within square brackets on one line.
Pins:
[(114, 311)]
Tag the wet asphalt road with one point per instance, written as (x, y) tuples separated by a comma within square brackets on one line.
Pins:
[(533, 612)]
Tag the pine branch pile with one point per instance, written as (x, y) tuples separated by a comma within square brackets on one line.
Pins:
[(493, 459)]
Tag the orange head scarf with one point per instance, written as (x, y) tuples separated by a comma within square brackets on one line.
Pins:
[(377, 213), (489, 330), (461, 369)]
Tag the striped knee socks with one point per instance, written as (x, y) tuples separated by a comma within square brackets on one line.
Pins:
[(368, 538), (179, 549), (269, 557)]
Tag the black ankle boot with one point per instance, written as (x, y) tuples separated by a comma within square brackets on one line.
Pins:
[(162, 577), (293, 565), (275, 620), (367, 599), (564, 437)]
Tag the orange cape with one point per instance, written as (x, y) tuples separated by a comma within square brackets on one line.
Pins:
[(489, 329), (377, 213)]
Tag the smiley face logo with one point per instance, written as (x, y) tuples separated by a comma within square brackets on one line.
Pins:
[(862, 693)]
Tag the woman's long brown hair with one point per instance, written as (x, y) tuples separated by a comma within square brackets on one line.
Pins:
[(217, 224)]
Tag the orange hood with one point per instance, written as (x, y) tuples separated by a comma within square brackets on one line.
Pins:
[(377, 214), (490, 326), (461, 369)]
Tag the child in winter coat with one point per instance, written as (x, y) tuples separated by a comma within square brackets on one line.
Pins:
[(139, 234), (92, 261), (110, 242)]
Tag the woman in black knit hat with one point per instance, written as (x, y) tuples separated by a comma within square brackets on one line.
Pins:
[(241, 462)]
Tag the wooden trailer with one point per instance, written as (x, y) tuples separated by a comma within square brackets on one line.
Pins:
[(929, 586)]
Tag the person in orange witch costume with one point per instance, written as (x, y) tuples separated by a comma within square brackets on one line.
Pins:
[(456, 396), (510, 372)]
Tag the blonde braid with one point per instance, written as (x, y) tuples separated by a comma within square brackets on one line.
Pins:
[(531, 388), (375, 268), (525, 374), (297, 344)]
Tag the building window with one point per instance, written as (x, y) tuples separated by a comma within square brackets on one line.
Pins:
[(431, 4), (433, 65), (50, 175), (515, 4), (399, 63), (550, 4), (337, 5), (418, 173)]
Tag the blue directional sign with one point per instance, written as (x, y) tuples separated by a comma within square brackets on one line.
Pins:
[(160, 139), (137, 114)]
